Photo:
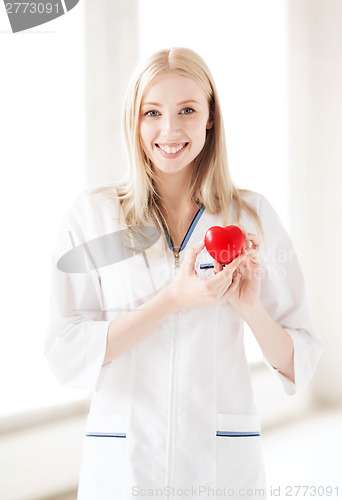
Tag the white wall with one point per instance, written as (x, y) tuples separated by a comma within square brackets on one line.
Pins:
[(315, 129), (42, 158), (111, 54), (315, 157), (244, 44)]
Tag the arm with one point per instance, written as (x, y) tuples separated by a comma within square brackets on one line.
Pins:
[(128, 330), (275, 342), (79, 341), (272, 300), (185, 292)]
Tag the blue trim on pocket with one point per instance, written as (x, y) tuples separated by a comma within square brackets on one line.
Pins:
[(236, 434), (105, 434)]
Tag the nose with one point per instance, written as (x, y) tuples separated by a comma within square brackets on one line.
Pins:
[(170, 126)]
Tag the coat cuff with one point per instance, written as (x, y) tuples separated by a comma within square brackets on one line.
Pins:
[(307, 351), (87, 378), (96, 351)]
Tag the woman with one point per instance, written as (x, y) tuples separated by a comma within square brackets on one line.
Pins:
[(157, 338)]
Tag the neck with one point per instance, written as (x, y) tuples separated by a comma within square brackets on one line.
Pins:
[(173, 189)]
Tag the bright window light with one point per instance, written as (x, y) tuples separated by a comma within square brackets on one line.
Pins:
[(245, 46), (42, 153), (42, 168)]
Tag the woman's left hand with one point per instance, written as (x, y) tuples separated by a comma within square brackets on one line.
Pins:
[(247, 295)]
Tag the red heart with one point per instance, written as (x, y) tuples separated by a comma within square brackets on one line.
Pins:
[(224, 243)]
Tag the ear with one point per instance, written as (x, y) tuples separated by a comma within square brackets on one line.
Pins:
[(210, 122)]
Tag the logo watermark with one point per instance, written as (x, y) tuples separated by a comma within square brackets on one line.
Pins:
[(25, 15)]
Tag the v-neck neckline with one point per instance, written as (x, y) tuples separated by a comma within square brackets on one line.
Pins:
[(188, 233)]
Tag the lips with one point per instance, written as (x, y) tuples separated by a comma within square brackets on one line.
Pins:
[(172, 150)]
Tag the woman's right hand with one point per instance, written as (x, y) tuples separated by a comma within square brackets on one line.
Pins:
[(188, 291)]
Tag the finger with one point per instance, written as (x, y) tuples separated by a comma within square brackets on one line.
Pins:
[(198, 246), (253, 257), (245, 232), (236, 273), (232, 288), (230, 268), (217, 266), (236, 262), (255, 240), (251, 239), (252, 254), (190, 258)]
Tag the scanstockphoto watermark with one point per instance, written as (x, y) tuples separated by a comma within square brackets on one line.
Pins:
[(291, 491), (25, 15), (305, 491), (197, 492)]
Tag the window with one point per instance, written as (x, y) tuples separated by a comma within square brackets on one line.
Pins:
[(244, 45), (42, 130), (42, 167)]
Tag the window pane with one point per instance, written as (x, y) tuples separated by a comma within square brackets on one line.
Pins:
[(42, 167), (244, 45)]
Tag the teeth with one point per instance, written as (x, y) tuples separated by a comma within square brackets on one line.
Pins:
[(172, 150)]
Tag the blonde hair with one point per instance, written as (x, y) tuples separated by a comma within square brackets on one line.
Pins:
[(211, 183)]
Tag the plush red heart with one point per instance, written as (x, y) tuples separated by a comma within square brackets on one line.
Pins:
[(224, 243)]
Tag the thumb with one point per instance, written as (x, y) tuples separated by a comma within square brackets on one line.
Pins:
[(190, 258)]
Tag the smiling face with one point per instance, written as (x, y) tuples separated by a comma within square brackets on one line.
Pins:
[(174, 117)]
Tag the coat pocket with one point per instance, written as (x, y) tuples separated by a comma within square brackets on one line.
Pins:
[(102, 465), (240, 465)]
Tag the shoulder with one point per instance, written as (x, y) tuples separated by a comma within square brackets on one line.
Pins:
[(273, 230), (255, 200), (95, 211), (95, 200), (261, 204)]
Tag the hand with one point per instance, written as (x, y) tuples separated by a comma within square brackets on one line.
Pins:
[(188, 291), (246, 296)]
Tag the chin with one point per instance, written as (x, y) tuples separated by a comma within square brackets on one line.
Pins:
[(169, 169)]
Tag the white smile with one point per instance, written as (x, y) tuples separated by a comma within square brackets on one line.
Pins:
[(173, 149)]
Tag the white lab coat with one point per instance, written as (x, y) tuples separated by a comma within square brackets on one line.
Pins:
[(174, 417)]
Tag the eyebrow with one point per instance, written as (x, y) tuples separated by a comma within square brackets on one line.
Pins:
[(178, 104)]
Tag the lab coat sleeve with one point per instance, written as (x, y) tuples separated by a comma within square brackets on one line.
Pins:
[(284, 298), (76, 337)]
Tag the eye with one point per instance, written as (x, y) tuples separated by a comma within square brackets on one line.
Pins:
[(152, 111), (187, 111)]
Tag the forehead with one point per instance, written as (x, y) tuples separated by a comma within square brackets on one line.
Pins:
[(172, 86)]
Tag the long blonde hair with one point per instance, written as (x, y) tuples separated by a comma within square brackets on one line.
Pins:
[(211, 183)]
